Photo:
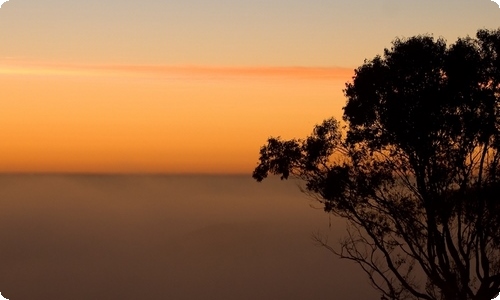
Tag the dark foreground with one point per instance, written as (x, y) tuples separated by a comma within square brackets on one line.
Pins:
[(166, 237)]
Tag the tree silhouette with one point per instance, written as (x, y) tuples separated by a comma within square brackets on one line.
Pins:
[(415, 171)]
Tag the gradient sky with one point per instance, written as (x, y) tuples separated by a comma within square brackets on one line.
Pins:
[(189, 86)]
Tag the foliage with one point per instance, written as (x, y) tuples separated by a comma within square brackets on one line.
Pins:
[(416, 173)]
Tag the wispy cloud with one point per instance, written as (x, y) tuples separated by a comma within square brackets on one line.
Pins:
[(186, 72)]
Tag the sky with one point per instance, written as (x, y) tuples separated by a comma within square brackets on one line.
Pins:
[(190, 86)]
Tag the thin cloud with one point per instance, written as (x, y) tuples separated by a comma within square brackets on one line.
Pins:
[(234, 72), (187, 72)]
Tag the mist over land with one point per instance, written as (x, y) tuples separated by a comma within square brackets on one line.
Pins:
[(166, 237)]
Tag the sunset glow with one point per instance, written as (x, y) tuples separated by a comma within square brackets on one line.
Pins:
[(188, 86), (155, 119)]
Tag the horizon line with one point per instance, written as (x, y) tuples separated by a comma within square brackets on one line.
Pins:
[(61, 173)]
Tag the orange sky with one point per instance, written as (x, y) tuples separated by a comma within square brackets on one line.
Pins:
[(159, 119), (192, 85)]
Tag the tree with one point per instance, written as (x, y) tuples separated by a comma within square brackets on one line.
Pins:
[(415, 171)]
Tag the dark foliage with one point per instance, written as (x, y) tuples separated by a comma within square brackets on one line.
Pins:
[(416, 172)]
